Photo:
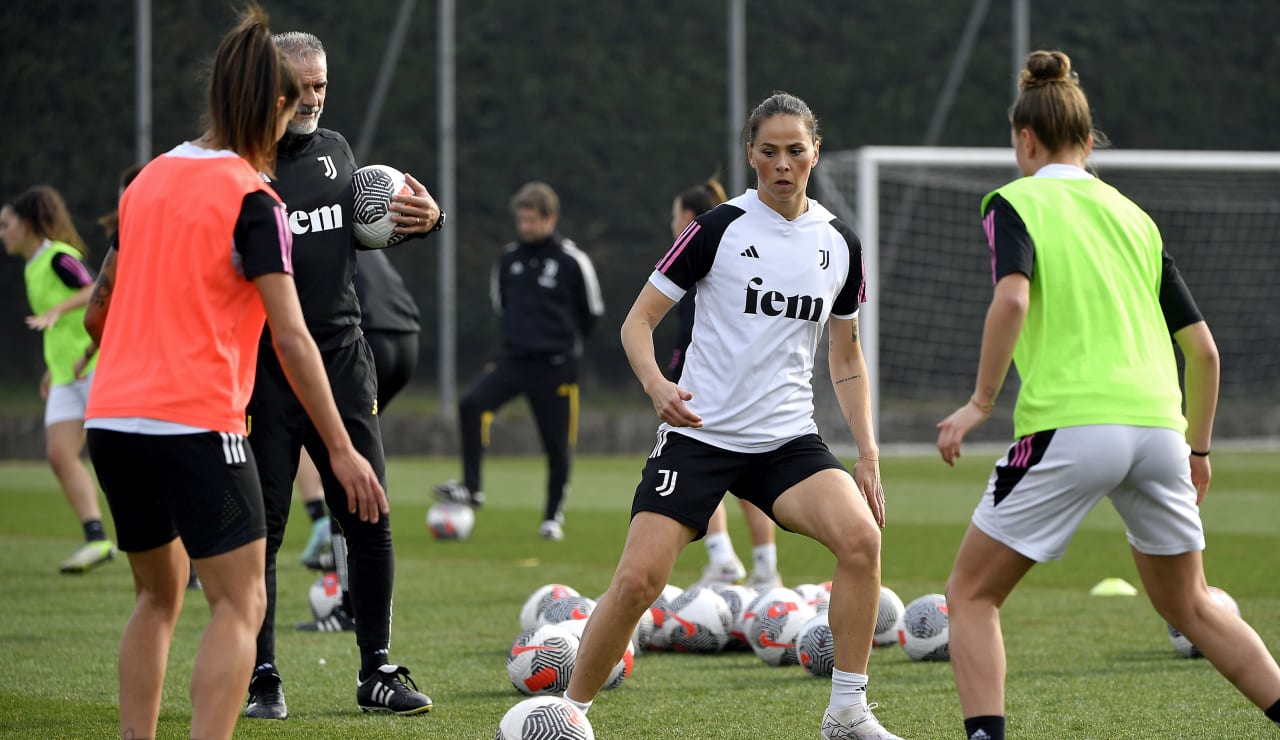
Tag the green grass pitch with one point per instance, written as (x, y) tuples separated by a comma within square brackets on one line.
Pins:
[(1080, 666)]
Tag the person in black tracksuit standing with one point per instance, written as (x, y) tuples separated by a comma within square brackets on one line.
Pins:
[(546, 292), (390, 321), (313, 178)]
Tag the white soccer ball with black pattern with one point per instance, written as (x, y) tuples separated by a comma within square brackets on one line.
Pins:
[(643, 632), (889, 619), (544, 718), (1180, 641), (737, 597), (325, 595), (450, 521), (777, 623), (660, 639), (570, 608), (925, 635), (373, 187), (621, 670), (541, 660), (815, 647), (539, 600), (698, 621)]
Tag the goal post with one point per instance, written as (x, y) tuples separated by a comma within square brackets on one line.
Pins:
[(916, 210)]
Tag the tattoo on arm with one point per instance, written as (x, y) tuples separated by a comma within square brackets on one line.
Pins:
[(101, 295), (845, 380)]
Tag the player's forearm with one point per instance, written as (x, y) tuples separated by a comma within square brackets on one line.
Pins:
[(853, 392), (99, 300), (1000, 332), (1200, 377), (637, 342), (304, 369)]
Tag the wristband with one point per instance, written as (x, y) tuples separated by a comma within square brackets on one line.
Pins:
[(439, 223), (983, 407), (1198, 453)]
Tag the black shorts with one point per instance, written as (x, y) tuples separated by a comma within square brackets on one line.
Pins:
[(201, 487), (685, 479)]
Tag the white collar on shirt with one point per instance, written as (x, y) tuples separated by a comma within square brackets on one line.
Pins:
[(1064, 171)]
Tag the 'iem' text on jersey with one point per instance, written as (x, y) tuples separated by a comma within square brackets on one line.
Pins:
[(548, 297), (313, 178), (766, 287)]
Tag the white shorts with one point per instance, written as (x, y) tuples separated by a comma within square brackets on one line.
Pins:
[(67, 402), (1042, 489)]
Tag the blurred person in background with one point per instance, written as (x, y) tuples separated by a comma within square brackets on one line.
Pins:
[(37, 226), (545, 291)]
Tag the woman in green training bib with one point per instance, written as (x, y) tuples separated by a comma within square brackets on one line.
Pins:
[(1085, 301), (37, 226)]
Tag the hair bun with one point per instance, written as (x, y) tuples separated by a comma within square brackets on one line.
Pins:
[(1045, 67)]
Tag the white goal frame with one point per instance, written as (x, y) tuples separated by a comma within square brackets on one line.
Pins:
[(868, 161)]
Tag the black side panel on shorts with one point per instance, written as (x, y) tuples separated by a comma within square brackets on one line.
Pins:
[(1024, 454)]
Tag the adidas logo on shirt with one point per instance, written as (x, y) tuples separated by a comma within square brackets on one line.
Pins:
[(750, 252)]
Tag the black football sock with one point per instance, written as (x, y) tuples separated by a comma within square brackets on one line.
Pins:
[(1273, 713), (315, 509), (985, 727), (93, 531), (371, 660)]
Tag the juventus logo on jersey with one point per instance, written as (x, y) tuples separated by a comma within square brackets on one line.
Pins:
[(548, 277), (824, 258), (330, 171), (668, 484)]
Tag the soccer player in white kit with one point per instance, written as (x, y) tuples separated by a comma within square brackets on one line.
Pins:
[(1085, 301), (771, 267)]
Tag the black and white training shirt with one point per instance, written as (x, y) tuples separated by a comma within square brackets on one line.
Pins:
[(766, 287)]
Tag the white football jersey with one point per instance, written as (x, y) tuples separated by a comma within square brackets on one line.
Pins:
[(766, 286)]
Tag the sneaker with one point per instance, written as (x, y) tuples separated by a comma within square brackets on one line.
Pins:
[(337, 621), (318, 554), (456, 493), (852, 723), (193, 582), (266, 697), (386, 691), (726, 573), (770, 579), (551, 530), (88, 556)]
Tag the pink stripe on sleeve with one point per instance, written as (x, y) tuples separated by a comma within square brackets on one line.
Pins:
[(286, 238), (75, 267), (989, 227), (682, 241)]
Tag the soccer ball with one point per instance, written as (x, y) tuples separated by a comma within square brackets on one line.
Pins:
[(889, 620), (924, 634), (544, 718), (622, 670), (737, 597), (325, 595), (814, 594), (777, 623), (374, 185), (1180, 641), (765, 594), (815, 647), (643, 632), (541, 660), (660, 639), (539, 600), (449, 521), (698, 621), (568, 609)]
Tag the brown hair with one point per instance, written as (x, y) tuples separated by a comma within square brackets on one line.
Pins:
[(46, 214), (249, 73), (702, 197), (111, 221), (780, 104), (1051, 102), (536, 195)]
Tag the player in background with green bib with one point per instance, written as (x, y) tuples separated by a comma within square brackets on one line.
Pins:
[(1086, 299), (37, 226)]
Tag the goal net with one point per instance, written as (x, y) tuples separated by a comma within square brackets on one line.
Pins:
[(916, 210)]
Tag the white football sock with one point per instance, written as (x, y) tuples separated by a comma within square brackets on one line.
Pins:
[(765, 558), (848, 689), (720, 548), (584, 706)]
